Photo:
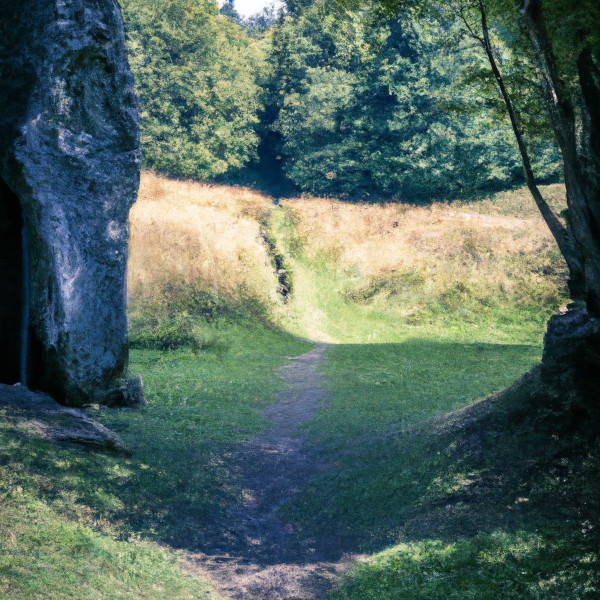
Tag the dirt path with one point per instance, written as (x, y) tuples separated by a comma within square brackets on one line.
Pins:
[(264, 558)]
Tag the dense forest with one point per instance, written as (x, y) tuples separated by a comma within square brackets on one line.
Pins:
[(331, 99)]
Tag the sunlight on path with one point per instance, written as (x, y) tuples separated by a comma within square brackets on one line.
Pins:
[(265, 558)]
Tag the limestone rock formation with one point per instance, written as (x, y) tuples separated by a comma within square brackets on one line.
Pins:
[(69, 169), (571, 361)]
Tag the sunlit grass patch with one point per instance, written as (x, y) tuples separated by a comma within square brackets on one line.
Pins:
[(404, 383), (405, 269), (485, 567), (46, 556), (359, 272), (195, 252)]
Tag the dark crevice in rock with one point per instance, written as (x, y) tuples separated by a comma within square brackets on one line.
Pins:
[(11, 272)]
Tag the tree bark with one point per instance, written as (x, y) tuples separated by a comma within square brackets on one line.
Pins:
[(563, 237), (579, 141)]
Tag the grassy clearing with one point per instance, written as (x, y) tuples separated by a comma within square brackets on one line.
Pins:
[(198, 406), (108, 522), (196, 256), (487, 270), (376, 480)]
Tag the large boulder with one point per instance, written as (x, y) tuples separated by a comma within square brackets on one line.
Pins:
[(69, 165), (571, 362)]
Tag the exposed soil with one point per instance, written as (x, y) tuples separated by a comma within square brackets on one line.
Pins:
[(256, 555)]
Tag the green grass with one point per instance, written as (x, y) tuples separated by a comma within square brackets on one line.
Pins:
[(45, 555), (199, 405), (77, 524), (500, 500), (380, 389), (380, 392), (488, 566), (322, 308)]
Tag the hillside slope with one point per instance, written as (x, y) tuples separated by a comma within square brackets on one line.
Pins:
[(357, 271)]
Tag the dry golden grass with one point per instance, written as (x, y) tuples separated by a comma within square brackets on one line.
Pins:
[(191, 235), (384, 238), (497, 243), (202, 237)]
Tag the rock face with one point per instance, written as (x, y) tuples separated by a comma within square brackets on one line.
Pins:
[(69, 169), (571, 360)]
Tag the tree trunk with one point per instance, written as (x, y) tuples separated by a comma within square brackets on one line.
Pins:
[(563, 237), (579, 141), (571, 360)]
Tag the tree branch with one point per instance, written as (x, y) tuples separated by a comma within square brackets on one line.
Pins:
[(563, 238), (459, 12)]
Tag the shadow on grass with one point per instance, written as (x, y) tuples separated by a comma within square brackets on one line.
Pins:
[(177, 483), (497, 500), (396, 464)]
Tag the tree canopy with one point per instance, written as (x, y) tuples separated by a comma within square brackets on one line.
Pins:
[(397, 107), (196, 75), (343, 102)]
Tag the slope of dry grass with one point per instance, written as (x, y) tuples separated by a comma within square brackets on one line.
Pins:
[(208, 250), (186, 234)]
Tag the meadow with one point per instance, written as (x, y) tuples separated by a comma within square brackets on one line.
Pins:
[(485, 269), (429, 308)]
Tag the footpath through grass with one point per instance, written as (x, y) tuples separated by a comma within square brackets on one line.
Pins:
[(432, 309), (496, 501), (78, 524)]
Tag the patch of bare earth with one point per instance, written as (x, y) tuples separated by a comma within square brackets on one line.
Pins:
[(257, 555)]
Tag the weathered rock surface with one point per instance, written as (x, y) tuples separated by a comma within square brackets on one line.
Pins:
[(69, 154), (37, 413), (130, 395), (571, 359)]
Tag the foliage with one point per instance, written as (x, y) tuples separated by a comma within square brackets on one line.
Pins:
[(258, 24), (366, 109), (344, 103), (196, 76)]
